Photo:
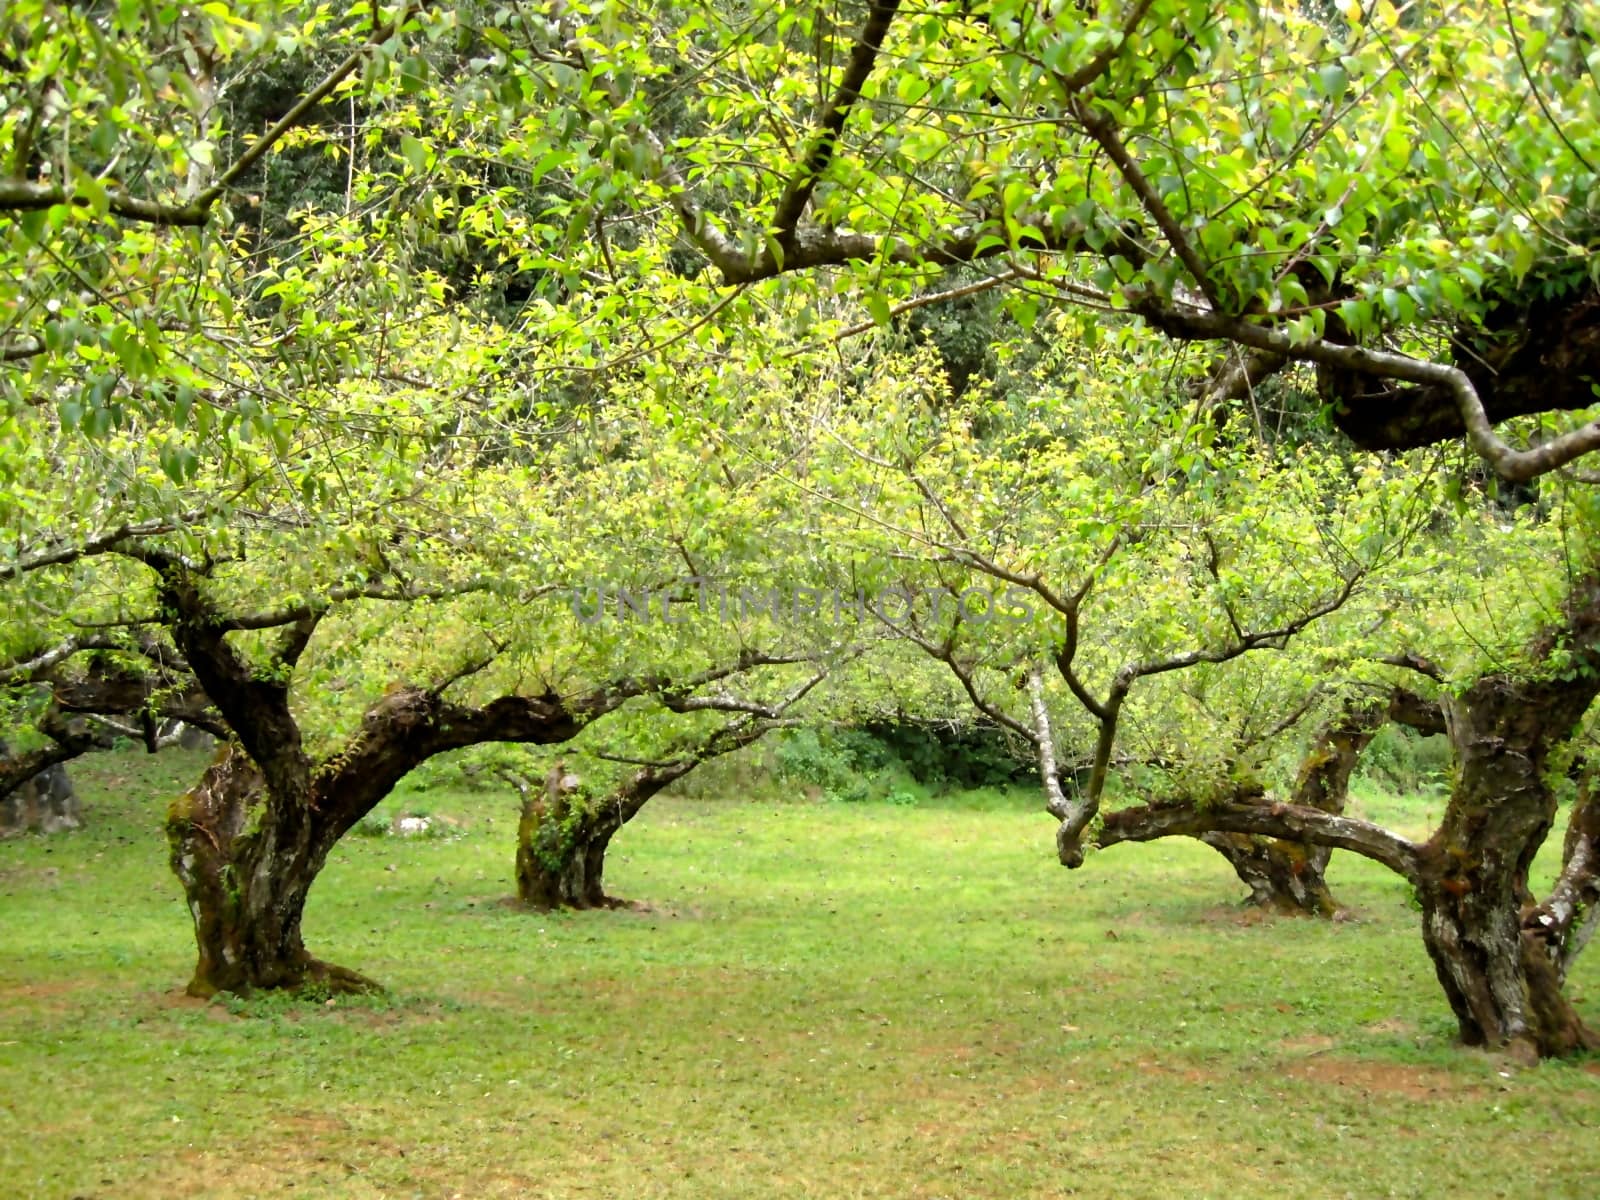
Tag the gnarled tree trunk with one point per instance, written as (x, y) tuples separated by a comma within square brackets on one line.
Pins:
[(1495, 968), (562, 840), (1285, 877), (1500, 957), (247, 846), (247, 860), (1289, 877), (43, 803)]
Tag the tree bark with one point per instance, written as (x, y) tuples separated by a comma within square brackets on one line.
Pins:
[(1566, 922), (1501, 959), (1530, 356), (1290, 877), (1497, 973), (42, 802), (247, 848), (249, 841), (1283, 877), (562, 840), (247, 860)]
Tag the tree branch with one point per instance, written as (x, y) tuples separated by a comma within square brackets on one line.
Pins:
[(1286, 821), (1097, 66), (38, 664), (28, 196), (1104, 131), (111, 541), (317, 607), (863, 56), (1567, 921), (1517, 466)]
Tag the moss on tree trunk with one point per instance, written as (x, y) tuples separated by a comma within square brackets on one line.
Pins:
[(247, 862), (563, 837), (1290, 877), (1499, 977)]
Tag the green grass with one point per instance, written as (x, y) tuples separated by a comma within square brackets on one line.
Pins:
[(822, 1000)]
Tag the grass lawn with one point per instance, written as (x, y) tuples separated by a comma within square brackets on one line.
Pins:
[(820, 1000)]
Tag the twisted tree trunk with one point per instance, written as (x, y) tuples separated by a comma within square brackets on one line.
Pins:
[(1286, 876), (247, 859), (250, 840), (1494, 964), (43, 802), (562, 839), (1501, 959), (248, 844)]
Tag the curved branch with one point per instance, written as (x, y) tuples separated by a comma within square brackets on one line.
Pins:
[(1567, 921), (38, 664), (1287, 821), (1104, 131), (1101, 62), (62, 553), (30, 196), (1517, 466)]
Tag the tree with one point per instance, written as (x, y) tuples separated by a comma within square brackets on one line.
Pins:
[(1118, 159), (249, 841), (1028, 527), (567, 824), (1501, 956), (114, 110), (88, 693), (1205, 551), (336, 693), (43, 803), (1290, 876), (1123, 163)]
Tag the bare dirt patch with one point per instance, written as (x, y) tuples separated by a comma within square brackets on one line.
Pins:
[(1184, 1071), (1383, 1079), (19, 999), (1397, 1025), (310, 1122)]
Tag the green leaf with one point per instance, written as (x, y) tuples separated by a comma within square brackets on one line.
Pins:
[(416, 153)]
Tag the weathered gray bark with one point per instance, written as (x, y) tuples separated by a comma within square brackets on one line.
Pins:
[(44, 803)]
